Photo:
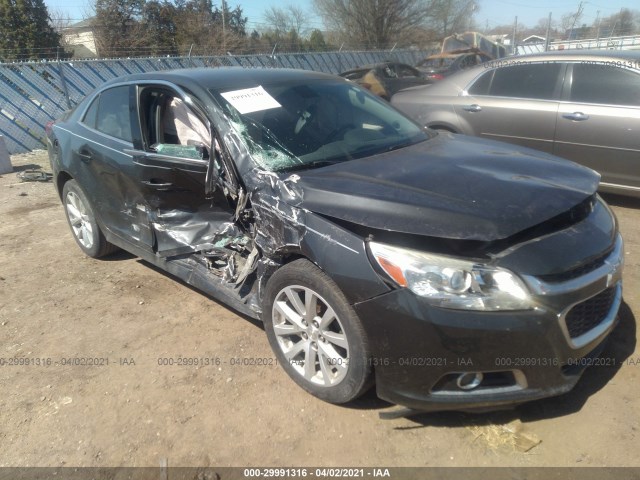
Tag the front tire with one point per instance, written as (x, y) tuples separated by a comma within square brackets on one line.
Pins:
[(315, 333), (82, 222)]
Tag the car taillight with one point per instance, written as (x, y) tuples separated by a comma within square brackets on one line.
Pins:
[(49, 127), (436, 76)]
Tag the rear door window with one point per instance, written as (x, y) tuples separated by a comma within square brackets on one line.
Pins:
[(610, 85), (536, 81), (114, 116), (91, 114)]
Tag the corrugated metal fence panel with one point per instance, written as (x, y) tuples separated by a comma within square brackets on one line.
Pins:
[(31, 94)]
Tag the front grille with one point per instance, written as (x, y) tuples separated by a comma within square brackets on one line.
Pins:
[(590, 313), (576, 272)]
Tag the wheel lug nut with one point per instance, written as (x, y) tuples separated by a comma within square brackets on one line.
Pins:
[(315, 324), (305, 336), (321, 338)]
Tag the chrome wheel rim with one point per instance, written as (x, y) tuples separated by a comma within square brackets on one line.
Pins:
[(79, 220), (311, 336)]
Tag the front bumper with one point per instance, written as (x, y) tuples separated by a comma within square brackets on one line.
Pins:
[(419, 351)]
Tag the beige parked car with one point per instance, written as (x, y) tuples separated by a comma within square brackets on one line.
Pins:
[(580, 105)]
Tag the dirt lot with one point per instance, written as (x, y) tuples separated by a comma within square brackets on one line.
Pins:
[(57, 304)]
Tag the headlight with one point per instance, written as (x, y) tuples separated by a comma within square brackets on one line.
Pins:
[(450, 282)]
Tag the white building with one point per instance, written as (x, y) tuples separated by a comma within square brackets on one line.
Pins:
[(80, 39)]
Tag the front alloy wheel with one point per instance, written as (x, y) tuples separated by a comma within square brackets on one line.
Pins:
[(310, 335), (315, 333)]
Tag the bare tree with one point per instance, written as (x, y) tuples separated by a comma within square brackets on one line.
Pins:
[(447, 17), (372, 23), (60, 22), (541, 27), (284, 20), (568, 21), (625, 22)]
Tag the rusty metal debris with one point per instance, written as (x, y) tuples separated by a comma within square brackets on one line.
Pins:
[(34, 176)]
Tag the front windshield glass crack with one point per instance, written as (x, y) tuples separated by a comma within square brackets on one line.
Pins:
[(297, 126)]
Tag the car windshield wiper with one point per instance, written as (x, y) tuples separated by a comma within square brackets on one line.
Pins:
[(310, 165), (398, 146)]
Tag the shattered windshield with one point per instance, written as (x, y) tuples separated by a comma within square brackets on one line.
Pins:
[(296, 126)]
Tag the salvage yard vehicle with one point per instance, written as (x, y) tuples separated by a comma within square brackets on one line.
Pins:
[(459, 52), (374, 250), (437, 67), (580, 105), (387, 78)]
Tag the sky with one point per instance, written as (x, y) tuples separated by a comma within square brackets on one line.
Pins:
[(491, 13)]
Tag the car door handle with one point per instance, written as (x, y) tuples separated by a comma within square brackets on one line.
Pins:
[(156, 184), (84, 156), (473, 108), (577, 116)]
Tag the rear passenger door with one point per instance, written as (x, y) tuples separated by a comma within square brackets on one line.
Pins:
[(104, 169), (599, 123), (514, 103)]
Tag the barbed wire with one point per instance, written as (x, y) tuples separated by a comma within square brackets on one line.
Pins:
[(159, 54), (261, 24)]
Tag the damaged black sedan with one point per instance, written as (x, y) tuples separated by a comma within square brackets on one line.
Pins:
[(373, 250)]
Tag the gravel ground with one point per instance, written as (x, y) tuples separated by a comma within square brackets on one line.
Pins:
[(57, 304)]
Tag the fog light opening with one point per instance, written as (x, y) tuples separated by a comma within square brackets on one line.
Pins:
[(469, 381)]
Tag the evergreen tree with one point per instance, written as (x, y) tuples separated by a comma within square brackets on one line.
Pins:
[(316, 41), (158, 23), (26, 32), (201, 24), (118, 31)]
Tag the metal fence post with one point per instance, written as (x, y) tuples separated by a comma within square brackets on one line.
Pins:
[(63, 83)]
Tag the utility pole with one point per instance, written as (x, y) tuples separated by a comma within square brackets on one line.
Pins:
[(224, 30), (598, 29), (546, 39), (513, 40), (575, 19)]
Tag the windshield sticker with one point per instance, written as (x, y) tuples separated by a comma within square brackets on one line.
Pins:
[(250, 100)]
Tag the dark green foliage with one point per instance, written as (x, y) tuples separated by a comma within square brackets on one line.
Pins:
[(26, 32), (316, 41), (117, 28), (203, 25), (159, 27)]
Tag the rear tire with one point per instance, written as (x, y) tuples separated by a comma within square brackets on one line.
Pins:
[(82, 222), (315, 333)]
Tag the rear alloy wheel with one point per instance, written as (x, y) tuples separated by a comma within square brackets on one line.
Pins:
[(315, 333), (83, 223)]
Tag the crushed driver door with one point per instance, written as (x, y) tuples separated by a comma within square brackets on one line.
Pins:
[(173, 172)]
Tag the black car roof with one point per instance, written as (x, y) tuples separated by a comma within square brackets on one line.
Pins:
[(224, 76)]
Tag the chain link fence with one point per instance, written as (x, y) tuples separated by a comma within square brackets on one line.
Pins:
[(32, 94)]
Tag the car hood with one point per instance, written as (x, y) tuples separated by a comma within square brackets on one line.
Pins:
[(450, 186)]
